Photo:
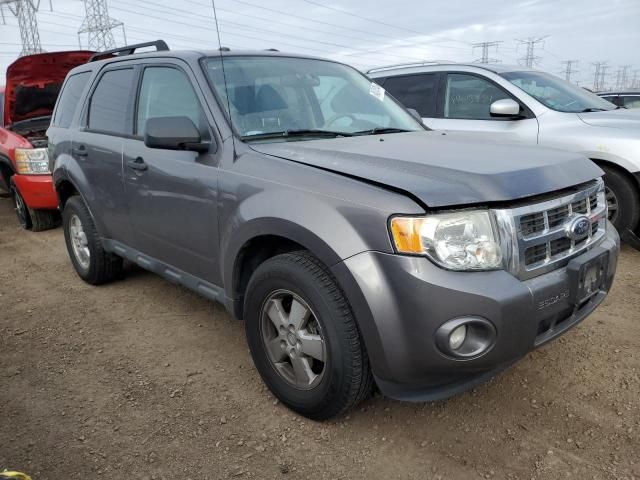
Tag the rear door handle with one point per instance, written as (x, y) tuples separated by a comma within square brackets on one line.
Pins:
[(137, 164), (80, 151)]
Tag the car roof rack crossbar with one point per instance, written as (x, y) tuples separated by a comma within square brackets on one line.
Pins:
[(161, 46)]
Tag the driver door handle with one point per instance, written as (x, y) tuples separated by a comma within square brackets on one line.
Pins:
[(137, 164)]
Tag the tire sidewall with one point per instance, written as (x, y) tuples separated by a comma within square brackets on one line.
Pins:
[(287, 275), (628, 209), (26, 221), (74, 206)]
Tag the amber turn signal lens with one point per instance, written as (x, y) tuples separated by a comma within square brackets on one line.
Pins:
[(406, 234)]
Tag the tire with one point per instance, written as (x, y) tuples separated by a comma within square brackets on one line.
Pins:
[(344, 378), (98, 266), (22, 211), (623, 200), (44, 219)]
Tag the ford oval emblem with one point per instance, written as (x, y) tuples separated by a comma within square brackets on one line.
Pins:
[(579, 228)]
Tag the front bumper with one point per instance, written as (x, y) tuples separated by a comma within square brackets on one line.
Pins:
[(37, 191), (401, 301)]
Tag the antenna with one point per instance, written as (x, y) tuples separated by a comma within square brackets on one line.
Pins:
[(224, 76)]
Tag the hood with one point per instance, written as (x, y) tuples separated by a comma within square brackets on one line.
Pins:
[(443, 170), (34, 81), (621, 118)]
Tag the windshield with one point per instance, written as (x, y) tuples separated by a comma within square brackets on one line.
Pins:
[(556, 93), (281, 95)]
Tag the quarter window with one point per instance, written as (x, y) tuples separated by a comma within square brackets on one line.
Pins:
[(415, 91), (69, 99), (108, 111), (166, 92), (470, 97)]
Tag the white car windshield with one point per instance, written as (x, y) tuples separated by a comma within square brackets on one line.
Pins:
[(556, 93), (271, 97)]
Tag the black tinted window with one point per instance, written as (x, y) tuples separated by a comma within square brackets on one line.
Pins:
[(166, 92), (415, 91), (69, 99), (109, 106), (631, 101)]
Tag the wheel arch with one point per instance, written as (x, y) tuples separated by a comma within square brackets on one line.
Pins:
[(635, 180)]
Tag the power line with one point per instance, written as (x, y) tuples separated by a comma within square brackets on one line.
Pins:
[(530, 59), (485, 46), (98, 26)]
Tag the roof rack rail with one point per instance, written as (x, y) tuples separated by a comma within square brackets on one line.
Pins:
[(161, 46), (413, 64)]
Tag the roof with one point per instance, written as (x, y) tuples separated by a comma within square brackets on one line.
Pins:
[(621, 92), (492, 67)]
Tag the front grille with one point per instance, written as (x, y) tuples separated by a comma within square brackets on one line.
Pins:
[(542, 230)]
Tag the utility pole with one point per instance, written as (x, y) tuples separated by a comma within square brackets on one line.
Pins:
[(98, 26), (485, 51), (25, 11), (568, 70), (530, 59)]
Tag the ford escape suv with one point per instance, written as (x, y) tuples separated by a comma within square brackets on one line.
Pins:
[(358, 247), (512, 103)]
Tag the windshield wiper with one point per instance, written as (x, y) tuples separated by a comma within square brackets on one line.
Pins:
[(380, 130), (587, 110), (302, 132)]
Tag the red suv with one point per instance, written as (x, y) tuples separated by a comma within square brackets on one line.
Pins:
[(33, 84)]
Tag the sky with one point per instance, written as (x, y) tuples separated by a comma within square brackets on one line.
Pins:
[(367, 33)]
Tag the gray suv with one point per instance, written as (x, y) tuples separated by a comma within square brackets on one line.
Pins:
[(359, 248)]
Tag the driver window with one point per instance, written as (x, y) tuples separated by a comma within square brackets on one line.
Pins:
[(166, 92), (470, 97)]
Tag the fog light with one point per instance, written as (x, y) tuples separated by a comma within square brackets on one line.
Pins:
[(465, 338), (457, 337)]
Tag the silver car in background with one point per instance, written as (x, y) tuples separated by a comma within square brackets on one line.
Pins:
[(514, 104)]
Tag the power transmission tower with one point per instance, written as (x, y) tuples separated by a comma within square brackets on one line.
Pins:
[(98, 26), (635, 81), (568, 70), (485, 51), (530, 58), (598, 76), (622, 77), (25, 11)]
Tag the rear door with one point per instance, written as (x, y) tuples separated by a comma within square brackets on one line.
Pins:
[(464, 106), (172, 194), (97, 148)]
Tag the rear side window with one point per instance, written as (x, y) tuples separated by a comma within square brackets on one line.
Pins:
[(69, 99), (166, 92), (631, 101), (110, 102), (415, 91)]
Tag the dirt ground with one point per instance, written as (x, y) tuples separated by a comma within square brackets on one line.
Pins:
[(142, 379)]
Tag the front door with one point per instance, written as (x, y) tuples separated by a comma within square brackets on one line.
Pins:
[(172, 194), (466, 100)]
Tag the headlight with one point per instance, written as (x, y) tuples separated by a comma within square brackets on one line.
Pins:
[(464, 240), (32, 161)]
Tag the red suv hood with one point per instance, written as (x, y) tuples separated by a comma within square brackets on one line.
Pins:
[(34, 81)]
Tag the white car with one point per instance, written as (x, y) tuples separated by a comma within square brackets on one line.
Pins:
[(511, 103)]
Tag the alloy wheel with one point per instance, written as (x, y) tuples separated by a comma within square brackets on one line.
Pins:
[(79, 242), (293, 339), (612, 204), (21, 209)]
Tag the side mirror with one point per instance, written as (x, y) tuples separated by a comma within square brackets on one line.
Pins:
[(506, 107), (414, 113), (174, 133)]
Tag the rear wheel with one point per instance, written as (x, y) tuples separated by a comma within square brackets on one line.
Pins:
[(303, 337), (92, 263), (622, 200)]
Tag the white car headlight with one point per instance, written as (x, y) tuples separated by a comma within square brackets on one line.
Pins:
[(465, 240), (32, 161)]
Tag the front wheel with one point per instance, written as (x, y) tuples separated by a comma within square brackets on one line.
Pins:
[(622, 200), (31, 219), (303, 337)]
